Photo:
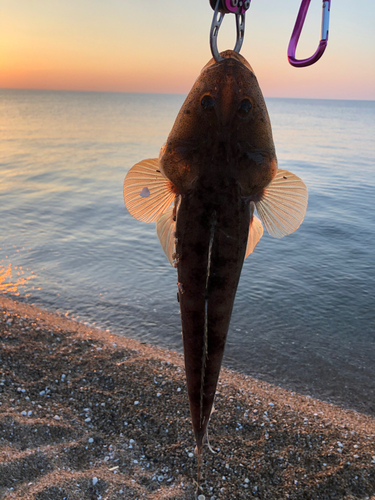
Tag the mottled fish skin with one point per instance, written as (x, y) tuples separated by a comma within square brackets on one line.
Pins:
[(211, 241), (211, 130), (217, 166), (219, 153)]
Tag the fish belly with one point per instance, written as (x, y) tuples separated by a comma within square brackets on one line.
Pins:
[(211, 232)]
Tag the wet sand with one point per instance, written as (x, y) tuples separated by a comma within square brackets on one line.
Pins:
[(86, 414)]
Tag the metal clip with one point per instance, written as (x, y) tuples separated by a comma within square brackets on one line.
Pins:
[(222, 7), (299, 63)]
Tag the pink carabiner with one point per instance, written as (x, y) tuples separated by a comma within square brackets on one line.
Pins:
[(300, 63)]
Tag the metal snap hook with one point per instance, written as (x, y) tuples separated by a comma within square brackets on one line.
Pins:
[(222, 7)]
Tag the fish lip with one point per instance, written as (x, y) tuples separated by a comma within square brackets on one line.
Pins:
[(228, 56)]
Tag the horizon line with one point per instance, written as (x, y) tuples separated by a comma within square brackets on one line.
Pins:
[(176, 93)]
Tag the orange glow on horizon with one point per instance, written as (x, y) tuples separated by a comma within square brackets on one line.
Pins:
[(136, 73), (123, 47)]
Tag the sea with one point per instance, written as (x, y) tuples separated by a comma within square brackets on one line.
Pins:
[(304, 315)]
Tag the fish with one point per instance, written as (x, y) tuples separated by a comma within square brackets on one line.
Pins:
[(217, 166)]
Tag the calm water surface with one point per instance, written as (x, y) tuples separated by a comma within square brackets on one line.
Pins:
[(304, 312)]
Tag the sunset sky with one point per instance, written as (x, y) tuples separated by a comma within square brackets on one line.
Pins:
[(160, 46)]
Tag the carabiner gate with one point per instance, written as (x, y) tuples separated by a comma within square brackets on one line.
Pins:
[(299, 63), (222, 7)]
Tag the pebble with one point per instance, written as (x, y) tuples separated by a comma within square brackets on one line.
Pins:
[(231, 481)]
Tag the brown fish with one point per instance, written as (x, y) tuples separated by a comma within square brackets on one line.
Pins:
[(217, 166)]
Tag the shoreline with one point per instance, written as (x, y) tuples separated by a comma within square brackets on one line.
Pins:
[(88, 414), (311, 376)]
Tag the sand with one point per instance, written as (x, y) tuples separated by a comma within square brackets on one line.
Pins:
[(85, 414)]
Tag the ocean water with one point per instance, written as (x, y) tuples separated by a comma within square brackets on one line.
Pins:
[(304, 315)]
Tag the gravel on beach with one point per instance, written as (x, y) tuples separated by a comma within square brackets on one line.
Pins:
[(85, 414)]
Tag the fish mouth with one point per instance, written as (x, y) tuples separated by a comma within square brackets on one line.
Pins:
[(228, 54), (211, 244)]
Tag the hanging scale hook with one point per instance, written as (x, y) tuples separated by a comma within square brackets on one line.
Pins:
[(222, 7)]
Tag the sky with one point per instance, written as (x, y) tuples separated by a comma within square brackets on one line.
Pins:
[(160, 46)]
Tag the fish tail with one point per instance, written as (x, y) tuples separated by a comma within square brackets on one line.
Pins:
[(199, 451)]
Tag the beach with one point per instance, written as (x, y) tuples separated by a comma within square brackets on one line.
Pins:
[(86, 414)]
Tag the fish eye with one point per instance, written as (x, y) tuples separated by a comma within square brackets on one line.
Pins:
[(244, 108), (208, 103)]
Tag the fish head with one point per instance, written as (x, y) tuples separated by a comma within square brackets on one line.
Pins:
[(223, 126)]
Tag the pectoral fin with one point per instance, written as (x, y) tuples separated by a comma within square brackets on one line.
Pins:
[(147, 193), (165, 229), (255, 232), (282, 204)]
